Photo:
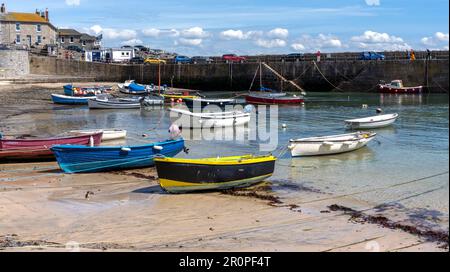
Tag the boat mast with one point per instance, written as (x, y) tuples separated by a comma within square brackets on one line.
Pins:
[(159, 77), (260, 76)]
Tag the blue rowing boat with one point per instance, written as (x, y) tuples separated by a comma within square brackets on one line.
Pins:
[(70, 100), (82, 159)]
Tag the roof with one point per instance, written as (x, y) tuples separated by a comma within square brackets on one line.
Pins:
[(23, 17), (68, 32), (87, 37)]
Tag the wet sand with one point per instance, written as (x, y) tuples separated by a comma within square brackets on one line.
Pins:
[(44, 209)]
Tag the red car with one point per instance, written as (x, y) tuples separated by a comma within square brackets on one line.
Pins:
[(233, 58)]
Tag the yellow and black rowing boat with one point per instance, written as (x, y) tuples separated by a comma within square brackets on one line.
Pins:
[(190, 175)]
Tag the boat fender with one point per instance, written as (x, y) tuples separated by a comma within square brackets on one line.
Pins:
[(328, 143), (292, 146), (125, 149), (91, 141), (158, 147)]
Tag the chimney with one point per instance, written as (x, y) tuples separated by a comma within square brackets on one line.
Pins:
[(46, 14), (3, 9), (37, 12)]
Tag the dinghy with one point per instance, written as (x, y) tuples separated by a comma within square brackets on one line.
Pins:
[(70, 100), (212, 119), (105, 102), (378, 121), (82, 159), (273, 98), (328, 145), (131, 87), (191, 175), (39, 149), (108, 134)]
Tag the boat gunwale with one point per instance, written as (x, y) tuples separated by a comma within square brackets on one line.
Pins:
[(325, 139), (216, 161), (103, 148), (355, 121)]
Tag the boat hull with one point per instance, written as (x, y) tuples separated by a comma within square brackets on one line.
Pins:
[(47, 143), (80, 159), (108, 134), (70, 100), (212, 120), (330, 146), (26, 155), (266, 100), (368, 123), (100, 104), (180, 177), (404, 90), (190, 103)]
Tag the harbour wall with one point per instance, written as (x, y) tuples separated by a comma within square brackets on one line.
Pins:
[(326, 75), (14, 63)]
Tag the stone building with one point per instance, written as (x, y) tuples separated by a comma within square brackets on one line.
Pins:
[(70, 38), (27, 30)]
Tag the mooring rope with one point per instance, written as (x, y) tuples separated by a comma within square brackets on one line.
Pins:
[(320, 72)]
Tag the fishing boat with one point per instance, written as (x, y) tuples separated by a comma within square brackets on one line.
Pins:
[(82, 159), (71, 90), (203, 102), (267, 96), (396, 87), (108, 102), (39, 149), (327, 145), (378, 121), (192, 175), (70, 100), (132, 88), (212, 119), (108, 134)]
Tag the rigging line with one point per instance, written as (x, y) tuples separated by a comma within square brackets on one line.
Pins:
[(379, 188), (254, 78), (320, 72), (304, 72), (283, 78), (440, 86)]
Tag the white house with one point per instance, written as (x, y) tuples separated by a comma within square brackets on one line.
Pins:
[(118, 54)]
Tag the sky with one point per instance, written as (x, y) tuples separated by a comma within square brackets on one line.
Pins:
[(209, 27)]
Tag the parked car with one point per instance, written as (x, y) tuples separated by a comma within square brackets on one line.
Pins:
[(75, 48), (371, 56), (154, 61), (182, 59), (199, 59), (294, 56), (233, 58), (137, 60)]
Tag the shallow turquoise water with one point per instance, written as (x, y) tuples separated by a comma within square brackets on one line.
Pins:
[(416, 147)]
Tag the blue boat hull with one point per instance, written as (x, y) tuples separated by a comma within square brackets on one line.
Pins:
[(82, 159), (69, 100)]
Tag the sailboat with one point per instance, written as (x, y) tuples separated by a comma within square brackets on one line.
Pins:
[(269, 96)]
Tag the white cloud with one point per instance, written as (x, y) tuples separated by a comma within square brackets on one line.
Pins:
[(373, 2), (271, 43), (298, 47), (73, 2), (132, 42), (313, 43), (278, 33), (151, 32), (194, 33), (371, 40), (443, 37), (438, 38), (189, 42), (232, 35), (376, 37), (113, 34)]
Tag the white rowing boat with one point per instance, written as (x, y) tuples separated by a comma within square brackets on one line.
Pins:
[(212, 119), (108, 134), (328, 145), (378, 121)]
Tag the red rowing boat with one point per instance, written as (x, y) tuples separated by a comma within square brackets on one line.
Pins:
[(396, 87), (274, 98), (39, 149)]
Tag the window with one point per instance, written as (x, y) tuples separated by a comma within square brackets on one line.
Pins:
[(71, 39), (39, 39), (62, 40), (123, 54), (84, 43), (18, 39), (17, 26), (128, 53), (38, 28)]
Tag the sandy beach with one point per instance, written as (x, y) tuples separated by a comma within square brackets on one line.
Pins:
[(42, 209)]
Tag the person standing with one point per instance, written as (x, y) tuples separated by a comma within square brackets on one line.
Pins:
[(413, 55), (318, 56)]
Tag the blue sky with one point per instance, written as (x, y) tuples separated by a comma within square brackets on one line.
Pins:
[(208, 27)]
